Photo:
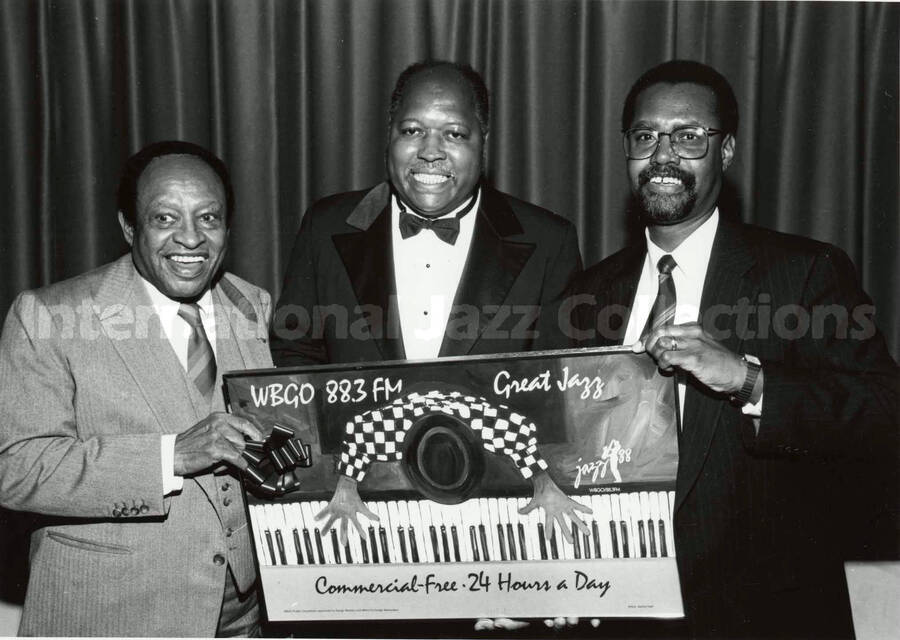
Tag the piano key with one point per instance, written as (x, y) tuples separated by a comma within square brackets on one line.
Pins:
[(490, 534), (484, 543), (270, 548), (631, 515), (619, 504), (295, 555), (449, 514), (307, 533), (409, 533), (287, 525), (576, 543), (553, 541), (372, 534), (326, 546), (298, 554), (426, 547), (384, 545), (263, 523), (418, 531), (666, 528), (497, 525), (257, 534), (432, 539), (511, 520), (643, 499), (454, 543), (629, 533), (279, 543), (270, 528), (335, 546), (385, 530), (398, 532), (603, 516), (531, 536), (462, 535), (653, 507), (542, 542), (319, 547)]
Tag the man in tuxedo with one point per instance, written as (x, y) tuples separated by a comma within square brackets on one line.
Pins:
[(112, 425), (782, 376), (432, 262)]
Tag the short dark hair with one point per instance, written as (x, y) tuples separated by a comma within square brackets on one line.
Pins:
[(678, 71), (473, 79), (135, 165)]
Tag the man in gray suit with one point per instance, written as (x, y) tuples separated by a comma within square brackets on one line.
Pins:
[(112, 426)]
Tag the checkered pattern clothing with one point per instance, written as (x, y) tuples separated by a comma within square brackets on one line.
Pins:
[(378, 434)]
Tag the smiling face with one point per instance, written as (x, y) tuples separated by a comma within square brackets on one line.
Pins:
[(671, 190), (180, 234), (435, 150)]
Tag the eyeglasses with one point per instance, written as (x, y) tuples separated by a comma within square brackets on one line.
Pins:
[(690, 143)]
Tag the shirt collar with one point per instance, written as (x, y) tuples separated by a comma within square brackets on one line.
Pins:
[(167, 308), (395, 207), (692, 255)]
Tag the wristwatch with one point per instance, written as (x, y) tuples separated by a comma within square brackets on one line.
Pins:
[(743, 396)]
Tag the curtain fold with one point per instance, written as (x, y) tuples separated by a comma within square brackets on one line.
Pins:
[(293, 95)]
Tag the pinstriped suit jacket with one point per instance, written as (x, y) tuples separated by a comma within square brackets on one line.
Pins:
[(758, 517), (88, 383)]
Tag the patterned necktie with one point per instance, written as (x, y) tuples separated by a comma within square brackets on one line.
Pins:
[(201, 362), (447, 229), (663, 311), (663, 314)]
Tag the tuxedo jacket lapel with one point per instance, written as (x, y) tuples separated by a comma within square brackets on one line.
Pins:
[(729, 277), (492, 266), (121, 303), (368, 258)]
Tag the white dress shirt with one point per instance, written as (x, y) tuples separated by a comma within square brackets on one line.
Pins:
[(427, 272), (692, 260), (178, 331)]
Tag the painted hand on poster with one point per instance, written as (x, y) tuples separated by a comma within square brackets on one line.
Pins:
[(557, 506), (345, 507), (378, 435)]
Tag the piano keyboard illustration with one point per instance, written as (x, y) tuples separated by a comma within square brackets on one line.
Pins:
[(621, 526)]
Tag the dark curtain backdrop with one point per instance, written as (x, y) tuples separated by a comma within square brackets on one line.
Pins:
[(293, 95)]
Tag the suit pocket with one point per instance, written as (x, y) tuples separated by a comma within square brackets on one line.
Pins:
[(88, 545)]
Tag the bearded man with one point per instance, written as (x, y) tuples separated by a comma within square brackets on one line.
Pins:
[(777, 360)]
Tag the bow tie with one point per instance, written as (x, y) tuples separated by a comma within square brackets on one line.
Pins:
[(446, 229)]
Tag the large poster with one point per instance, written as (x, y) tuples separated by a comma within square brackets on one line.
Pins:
[(455, 467)]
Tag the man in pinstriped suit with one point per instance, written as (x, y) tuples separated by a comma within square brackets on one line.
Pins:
[(112, 426), (783, 377)]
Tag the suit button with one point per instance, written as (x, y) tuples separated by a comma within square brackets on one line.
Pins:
[(145, 509), (226, 486), (229, 532), (226, 501), (219, 559)]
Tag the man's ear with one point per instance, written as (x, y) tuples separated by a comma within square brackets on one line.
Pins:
[(127, 230), (727, 151)]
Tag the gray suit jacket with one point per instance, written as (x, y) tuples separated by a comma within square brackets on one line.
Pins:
[(88, 383)]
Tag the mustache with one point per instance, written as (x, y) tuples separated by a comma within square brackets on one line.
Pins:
[(666, 171), (437, 166)]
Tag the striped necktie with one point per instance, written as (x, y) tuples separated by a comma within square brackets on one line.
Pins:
[(663, 311), (201, 362), (663, 314)]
